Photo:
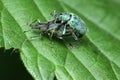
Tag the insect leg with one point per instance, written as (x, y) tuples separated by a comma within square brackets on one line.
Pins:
[(67, 43), (35, 21), (74, 36), (51, 34), (53, 13), (64, 30), (31, 24)]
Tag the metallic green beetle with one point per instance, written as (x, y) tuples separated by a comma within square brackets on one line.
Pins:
[(78, 26)]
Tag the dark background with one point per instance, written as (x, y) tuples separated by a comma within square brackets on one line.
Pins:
[(11, 66)]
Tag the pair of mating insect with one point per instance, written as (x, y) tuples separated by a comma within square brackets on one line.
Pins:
[(65, 24)]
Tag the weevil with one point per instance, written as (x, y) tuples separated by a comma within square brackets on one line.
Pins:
[(73, 21), (52, 28)]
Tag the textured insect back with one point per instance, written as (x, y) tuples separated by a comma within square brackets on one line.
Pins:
[(76, 23), (84, 27), (40, 26)]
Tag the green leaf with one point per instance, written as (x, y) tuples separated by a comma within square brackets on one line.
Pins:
[(97, 55)]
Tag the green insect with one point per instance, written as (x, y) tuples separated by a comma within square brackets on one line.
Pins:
[(76, 24)]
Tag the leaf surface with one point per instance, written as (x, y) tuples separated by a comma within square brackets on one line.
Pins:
[(97, 55)]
